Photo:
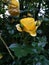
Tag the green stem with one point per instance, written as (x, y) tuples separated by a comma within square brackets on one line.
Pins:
[(7, 47)]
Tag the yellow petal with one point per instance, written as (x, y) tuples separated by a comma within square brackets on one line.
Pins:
[(32, 33), (15, 2), (18, 27), (14, 12), (28, 23)]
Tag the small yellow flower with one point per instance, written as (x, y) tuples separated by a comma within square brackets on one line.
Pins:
[(29, 26), (14, 7)]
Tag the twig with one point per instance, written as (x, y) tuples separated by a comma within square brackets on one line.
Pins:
[(7, 47)]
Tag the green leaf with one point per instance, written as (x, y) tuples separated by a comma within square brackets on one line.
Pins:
[(22, 50), (42, 41)]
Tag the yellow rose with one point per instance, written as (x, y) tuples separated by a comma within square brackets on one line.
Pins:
[(14, 7), (29, 26)]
